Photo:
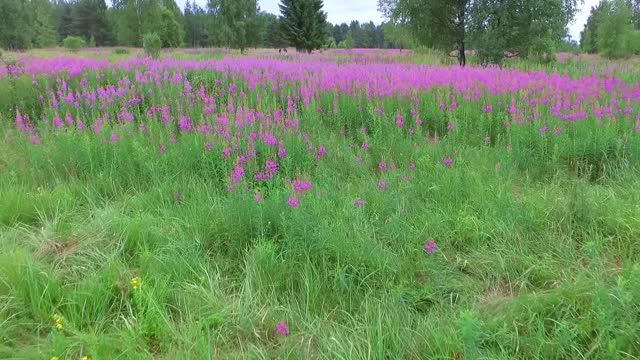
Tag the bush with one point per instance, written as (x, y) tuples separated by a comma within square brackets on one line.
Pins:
[(152, 44), (121, 51), (73, 43)]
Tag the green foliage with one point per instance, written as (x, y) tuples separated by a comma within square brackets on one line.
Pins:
[(240, 27), (304, 24), (89, 20), (524, 28), (347, 43), (398, 36), (491, 27), (273, 37), (615, 34), (152, 43), (73, 43), (589, 36), (196, 22), (133, 18), (172, 33), (440, 24), (18, 28)]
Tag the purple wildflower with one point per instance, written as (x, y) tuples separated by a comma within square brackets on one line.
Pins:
[(281, 328), (34, 139), (293, 202), (358, 202), (429, 247), (237, 174), (447, 161), (300, 186), (399, 122)]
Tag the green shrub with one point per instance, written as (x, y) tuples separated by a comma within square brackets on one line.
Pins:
[(152, 44), (121, 51), (73, 43)]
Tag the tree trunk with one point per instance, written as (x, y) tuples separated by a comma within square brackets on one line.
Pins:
[(462, 57)]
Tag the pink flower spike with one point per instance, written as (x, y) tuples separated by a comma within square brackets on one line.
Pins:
[(359, 202), (258, 197), (447, 161)]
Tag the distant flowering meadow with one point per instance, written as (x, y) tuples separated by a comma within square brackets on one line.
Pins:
[(252, 113)]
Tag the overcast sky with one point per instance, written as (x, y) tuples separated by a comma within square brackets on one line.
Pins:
[(339, 11)]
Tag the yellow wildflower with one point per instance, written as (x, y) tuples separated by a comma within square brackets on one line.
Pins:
[(135, 282), (55, 358), (85, 358), (58, 319)]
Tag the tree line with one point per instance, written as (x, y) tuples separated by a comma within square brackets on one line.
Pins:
[(239, 24), (493, 29), (613, 29)]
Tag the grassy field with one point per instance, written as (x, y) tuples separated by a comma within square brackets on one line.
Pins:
[(333, 206)]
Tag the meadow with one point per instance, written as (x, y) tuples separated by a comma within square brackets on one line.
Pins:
[(343, 205)]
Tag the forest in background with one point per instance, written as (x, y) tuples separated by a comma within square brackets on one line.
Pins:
[(44, 23), (492, 29)]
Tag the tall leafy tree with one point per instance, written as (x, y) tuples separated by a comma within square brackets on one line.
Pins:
[(240, 23), (439, 24), (134, 18), (178, 16), (519, 27), (615, 33), (589, 36), (44, 33), (397, 36), (304, 24), (171, 31)]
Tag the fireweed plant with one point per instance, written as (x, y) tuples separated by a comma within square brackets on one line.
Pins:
[(340, 205)]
